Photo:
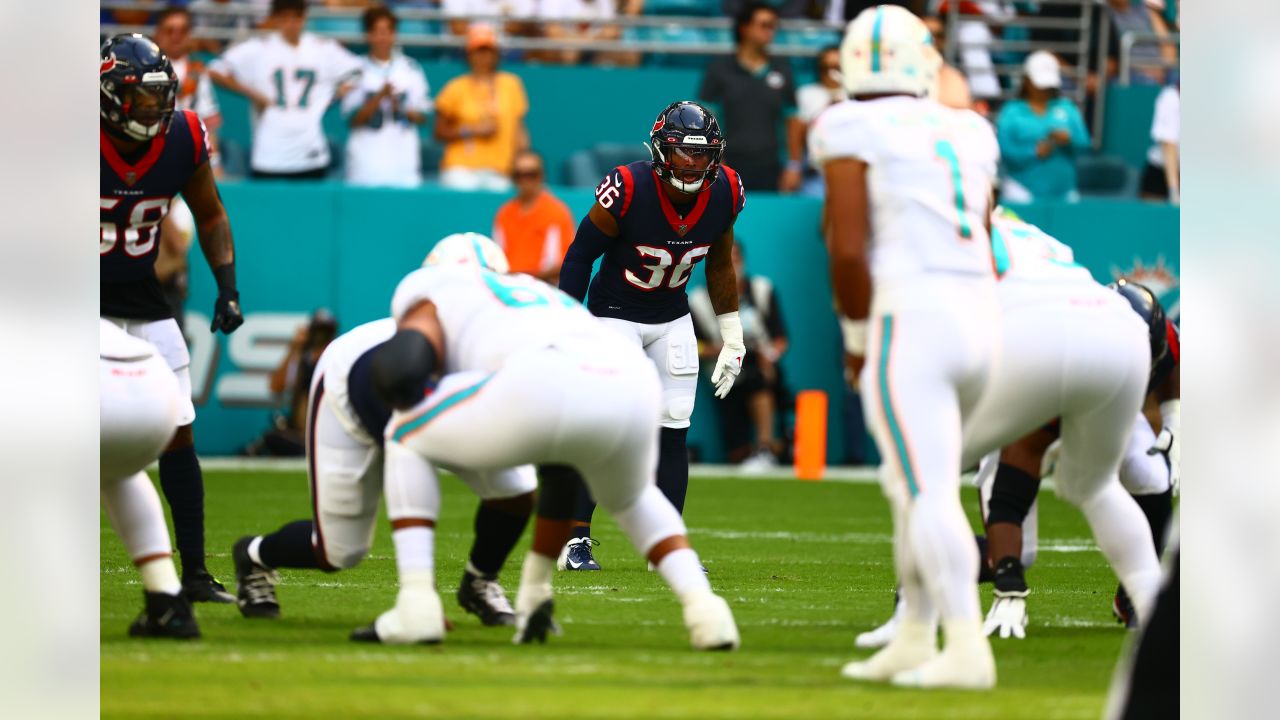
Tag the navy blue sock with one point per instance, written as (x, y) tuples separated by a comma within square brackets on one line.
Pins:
[(183, 487), (1159, 510), (290, 547), (499, 525), (673, 465), (985, 573), (583, 508)]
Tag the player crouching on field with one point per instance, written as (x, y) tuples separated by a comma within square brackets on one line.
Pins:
[(345, 464), (531, 377)]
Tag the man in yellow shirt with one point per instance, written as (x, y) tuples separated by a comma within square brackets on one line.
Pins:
[(535, 227), (480, 118)]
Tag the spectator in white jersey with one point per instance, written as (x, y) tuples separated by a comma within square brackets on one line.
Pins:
[(290, 76), (811, 100), (385, 110)]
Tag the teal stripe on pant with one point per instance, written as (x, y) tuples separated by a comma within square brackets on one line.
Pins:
[(899, 442)]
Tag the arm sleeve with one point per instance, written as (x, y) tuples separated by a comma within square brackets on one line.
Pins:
[(842, 131), (236, 60), (206, 102), (1080, 139), (352, 101), (588, 245), (615, 191), (342, 63), (711, 88), (420, 94), (1017, 139), (1164, 126), (520, 106)]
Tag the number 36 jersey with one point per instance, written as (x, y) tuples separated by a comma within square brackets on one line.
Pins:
[(487, 317), (929, 181), (644, 273), (134, 198)]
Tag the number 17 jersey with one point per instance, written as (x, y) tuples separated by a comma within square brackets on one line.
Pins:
[(646, 269), (930, 173)]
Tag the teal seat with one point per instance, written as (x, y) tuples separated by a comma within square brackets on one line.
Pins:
[(329, 25), (702, 8), (1106, 176)]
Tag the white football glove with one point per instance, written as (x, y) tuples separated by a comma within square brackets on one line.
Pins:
[(1008, 614), (1167, 441), (729, 364)]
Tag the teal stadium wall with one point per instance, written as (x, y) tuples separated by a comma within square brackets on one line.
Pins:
[(303, 246)]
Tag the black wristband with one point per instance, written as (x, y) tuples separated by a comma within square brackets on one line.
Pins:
[(225, 275)]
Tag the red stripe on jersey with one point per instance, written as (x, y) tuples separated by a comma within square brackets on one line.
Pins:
[(1175, 347), (734, 184), (628, 185), (669, 210), (198, 140), (124, 169)]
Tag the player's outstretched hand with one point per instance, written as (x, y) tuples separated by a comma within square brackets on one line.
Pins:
[(226, 314), (1008, 615), (1167, 444), (728, 365)]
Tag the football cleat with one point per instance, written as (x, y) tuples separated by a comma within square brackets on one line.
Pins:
[(485, 599), (539, 623), (1122, 608), (165, 616), (710, 622), (255, 584), (203, 587), (966, 663), (417, 618), (883, 635), (912, 646), (576, 555)]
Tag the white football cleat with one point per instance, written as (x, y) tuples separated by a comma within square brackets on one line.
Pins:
[(418, 617), (710, 622), (883, 635), (911, 647), (966, 663)]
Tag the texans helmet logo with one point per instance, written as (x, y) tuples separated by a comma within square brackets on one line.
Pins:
[(657, 124), (107, 65)]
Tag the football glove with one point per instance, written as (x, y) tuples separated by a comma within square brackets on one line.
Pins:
[(1008, 615), (729, 364), (1167, 441), (226, 313)]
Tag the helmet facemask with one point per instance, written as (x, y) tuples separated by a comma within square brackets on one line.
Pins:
[(687, 165), (143, 110)]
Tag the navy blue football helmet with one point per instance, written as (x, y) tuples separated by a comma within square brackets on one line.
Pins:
[(686, 146), (1147, 305), (139, 88)]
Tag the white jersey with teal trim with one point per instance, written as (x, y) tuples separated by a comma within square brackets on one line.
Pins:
[(1024, 252), (487, 317), (930, 176)]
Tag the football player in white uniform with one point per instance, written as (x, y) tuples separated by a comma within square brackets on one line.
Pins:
[(345, 461), (139, 407), (532, 378), (909, 183)]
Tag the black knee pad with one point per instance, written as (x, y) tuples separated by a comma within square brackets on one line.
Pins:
[(1012, 493), (558, 487)]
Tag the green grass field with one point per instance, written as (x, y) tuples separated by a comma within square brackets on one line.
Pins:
[(805, 567)]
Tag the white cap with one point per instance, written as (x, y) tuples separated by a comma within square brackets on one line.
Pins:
[(1042, 68)]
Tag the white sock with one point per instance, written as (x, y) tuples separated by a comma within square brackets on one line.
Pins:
[(535, 581), (682, 571), (964, 635), (415, 550), (159, 576), (1125, 539), (133, 507), (255, 546), (946, 556)]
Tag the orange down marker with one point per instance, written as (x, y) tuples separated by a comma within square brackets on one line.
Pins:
[(811, 434)]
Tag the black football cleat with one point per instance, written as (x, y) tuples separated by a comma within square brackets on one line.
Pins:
[(485, 599), (200, 586), (1122, 608), (165, 616), (255, 584), (541, 622)]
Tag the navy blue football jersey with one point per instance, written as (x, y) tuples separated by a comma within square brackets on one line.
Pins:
[(643, 275), (135, 197)]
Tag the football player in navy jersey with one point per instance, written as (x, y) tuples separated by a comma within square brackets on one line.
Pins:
[(149, 153), (652, 221)]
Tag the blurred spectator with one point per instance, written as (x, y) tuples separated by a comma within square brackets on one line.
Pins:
[(255, 14), (1162, 178), (840, 12), (535, 227), (516, 13), (1146, 57), (790, 9), (385, 110), (974, 38), (815, 97), (1040, 133), (293, 376), (759, 391), (938, 29), (195, 91), (754, 96), (480, 118), (590, 21), (290, 76)]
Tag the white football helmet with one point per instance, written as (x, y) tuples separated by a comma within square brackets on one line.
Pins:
[(887, 49), (468, 249)]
